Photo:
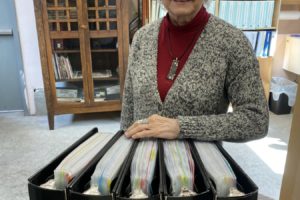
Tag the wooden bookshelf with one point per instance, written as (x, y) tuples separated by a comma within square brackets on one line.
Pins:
[(85, 37), (291, 2), (291, 177), (265, 68)]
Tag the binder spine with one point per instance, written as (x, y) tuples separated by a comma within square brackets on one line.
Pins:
[(77, 185), (117, 190), (244, 182), (124, 179), (38, 193), (162, 171)]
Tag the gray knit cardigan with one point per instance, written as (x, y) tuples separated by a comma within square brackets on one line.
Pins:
[(221, 69)]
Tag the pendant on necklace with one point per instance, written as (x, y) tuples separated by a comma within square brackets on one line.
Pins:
[(173, 69)]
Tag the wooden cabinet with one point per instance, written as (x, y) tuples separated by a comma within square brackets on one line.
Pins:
[(83, 49)]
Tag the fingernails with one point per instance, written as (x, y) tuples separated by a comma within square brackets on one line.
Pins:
[(126, 134)]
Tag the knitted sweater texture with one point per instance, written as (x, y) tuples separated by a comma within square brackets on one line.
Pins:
[(221, 69)]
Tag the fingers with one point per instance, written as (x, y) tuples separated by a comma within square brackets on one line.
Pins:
[(136, 128), (156, 126), (143, 134)]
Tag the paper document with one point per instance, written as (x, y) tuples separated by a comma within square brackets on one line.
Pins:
[(142, 168), (180, 167), (218, 168), (108, 167), (79, 158)]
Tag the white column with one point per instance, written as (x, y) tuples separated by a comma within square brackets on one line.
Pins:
[(30, 50)]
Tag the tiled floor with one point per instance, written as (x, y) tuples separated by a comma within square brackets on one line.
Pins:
[(26, 145)]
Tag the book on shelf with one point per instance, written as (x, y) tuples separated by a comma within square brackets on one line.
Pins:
[(102, 73), (252, 37), (100, 92), (55, 67), (67, 92), (113, 92), (107, 92), (62, 67), (70, 99), (134, 25), (251, 14), (262, 42)]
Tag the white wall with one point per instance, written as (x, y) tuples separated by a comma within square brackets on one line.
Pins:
[(30, 50), (289, 23)]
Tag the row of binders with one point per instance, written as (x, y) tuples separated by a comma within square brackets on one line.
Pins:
[(107, 166), (247, 14), (251, 14), (262, 42)]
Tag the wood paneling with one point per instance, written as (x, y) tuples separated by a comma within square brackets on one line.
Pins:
[(291, 177), (290, 2), (289, 26), (265, 67)]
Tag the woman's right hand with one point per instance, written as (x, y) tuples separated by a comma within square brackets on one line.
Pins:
[(154, 126)]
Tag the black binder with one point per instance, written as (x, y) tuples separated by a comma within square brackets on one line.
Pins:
[(124, 185), (244, 183), (82, 182), (38, 193), (201, 186), (121, 188)]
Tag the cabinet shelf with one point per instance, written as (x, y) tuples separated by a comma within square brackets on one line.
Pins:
[(61, 20), (95, 79), (260, 29), (102, 8), (103, 34), (106, 79), (63, 8), (104, 50), (66, 51), (64, 34), (69, 80)]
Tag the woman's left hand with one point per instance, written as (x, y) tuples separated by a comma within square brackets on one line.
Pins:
[(156, 126)]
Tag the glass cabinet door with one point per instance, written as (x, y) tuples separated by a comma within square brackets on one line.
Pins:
[(65, 46), (103, 29)]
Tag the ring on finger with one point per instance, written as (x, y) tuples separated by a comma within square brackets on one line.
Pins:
[(142, 121)]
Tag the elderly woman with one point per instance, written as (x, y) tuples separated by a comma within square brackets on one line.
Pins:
[(183, 72)]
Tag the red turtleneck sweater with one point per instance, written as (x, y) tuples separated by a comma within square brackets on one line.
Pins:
[(180, 40)]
